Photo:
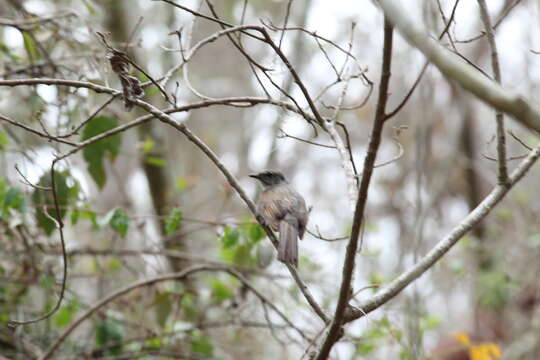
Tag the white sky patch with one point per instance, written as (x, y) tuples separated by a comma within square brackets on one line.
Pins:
[(180, 117), (42, 162), (153, 36), (259, 150), (13, 38), (81, 178), (230, 160), (47, 93), (38, 7)]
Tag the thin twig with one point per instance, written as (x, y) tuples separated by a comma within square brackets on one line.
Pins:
[(443, 246), (60, 226), (147, 282), (424, 68), (333, 333), (499, 21), (526, 112), (502, 174), (283, 134), (33, 131)]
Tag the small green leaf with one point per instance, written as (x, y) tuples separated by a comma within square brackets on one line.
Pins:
[(255, 233), (153, 343), (65, 314), (4, 140), (155, 161), (242, 256), (230, 237), (200, 344), (94, 154), (163, 307), (30, 46), (173, 221), (110, 332), (88, 214), (114, 263), (44, 200), (181, 184), (119, 222), (431, 322), (493, 289), (364, 348), (14, 199), (75, 214), (220, 291), (148, 145), (188, 305)]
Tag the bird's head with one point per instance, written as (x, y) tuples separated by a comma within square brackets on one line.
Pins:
[(270, 178)]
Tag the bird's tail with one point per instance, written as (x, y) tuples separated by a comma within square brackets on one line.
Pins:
[(288, 241)]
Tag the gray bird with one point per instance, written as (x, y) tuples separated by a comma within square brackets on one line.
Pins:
[(283, 210)]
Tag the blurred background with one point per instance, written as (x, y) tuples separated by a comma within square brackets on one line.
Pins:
[(147, 202)]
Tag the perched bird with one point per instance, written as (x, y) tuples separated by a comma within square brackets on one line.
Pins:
[(283, 210)]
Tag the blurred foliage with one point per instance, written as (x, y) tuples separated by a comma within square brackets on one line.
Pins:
[(106, 148), (413, 201), (479, 351), (67, 192)]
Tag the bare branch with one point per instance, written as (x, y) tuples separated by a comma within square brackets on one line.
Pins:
[(525, 112), (499, 118), (33, 131), (435, 254), (333, 333), (60, 226), (147, 282)]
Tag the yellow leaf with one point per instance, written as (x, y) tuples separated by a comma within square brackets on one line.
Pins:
[(462, 338), (493, 350)]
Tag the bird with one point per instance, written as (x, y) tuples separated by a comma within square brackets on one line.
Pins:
[(283, 209)]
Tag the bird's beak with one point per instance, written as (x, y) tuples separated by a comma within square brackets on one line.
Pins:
[(256, 176)]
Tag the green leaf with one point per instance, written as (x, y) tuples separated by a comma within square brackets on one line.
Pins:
[(14, 199), (65, 314), (364, 348), (4, 140), (242, 256), (75, 214), (230, 237), (153, 343), (148, 145), (44, 200), (88, 214), (119, 222), (220, 291), (493, 289), (114, 263), (254, 232), (94, 154), (110, 332), (431, 322), (188, 305), (181, 184), (155, 161), (173, 221), (30, 46), (200, 344), (163, 306)]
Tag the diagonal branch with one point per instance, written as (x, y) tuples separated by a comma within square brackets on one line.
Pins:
[(147, 282), (435, 254), (375, 139), (499, 117), (164, 117), (513, 104)]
